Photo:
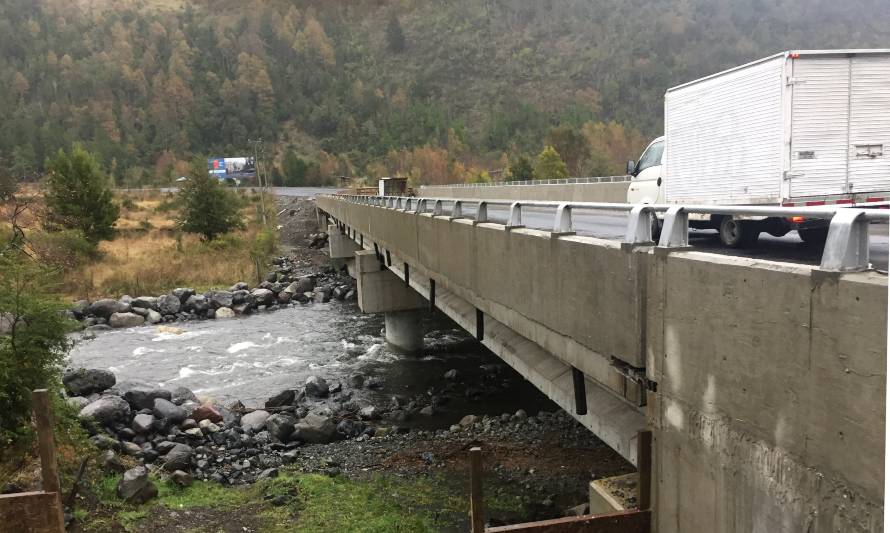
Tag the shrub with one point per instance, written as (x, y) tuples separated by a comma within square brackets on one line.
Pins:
[(550, 166), (33, 340), (128, 203), (78, 196), (64, 249)]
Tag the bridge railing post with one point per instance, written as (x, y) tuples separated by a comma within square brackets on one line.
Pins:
[(562, 224), (437, 208), (675, 233), (457, 210), (639, 225), (482, 212), (515, 218), (846, 248)]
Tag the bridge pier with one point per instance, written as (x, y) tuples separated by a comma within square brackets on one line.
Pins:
[(381, 291), (340, 247)]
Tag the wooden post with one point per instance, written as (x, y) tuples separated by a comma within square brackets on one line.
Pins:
[(48, 467), (477, 516), (644, 469)]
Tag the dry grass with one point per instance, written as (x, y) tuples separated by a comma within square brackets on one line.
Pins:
[(150, 257)]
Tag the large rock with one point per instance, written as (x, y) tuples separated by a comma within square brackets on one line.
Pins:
[(84, 381), (207, 412), (169, 411), (197, 303), (283, 398), (225, 312), (143, 423), (263, 296), (153, 316), (317, 387), (254, 421), (145, 302), (240, 286), (315, 429), (303, 284), (80, 309), (220, 299), (183, 293), (144, 396), (135, 487), (107, 410), (169, 304), (280, 426), (125, 320), (178, 458), (107, 307), (180, 394)]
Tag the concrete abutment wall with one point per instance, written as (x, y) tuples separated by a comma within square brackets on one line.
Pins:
[(768, 414)]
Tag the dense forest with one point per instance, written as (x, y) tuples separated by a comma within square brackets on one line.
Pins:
[(437, 90)]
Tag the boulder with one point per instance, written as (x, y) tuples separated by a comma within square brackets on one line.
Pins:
[(207, 412), (243, 309), (84, 381), (369, 413), (143, 423), (153, 317), (351, 428), (220, 299), (451, 374), (107, 307), (77, 402), (178, 458), (240, 286), (140, 311), (197, 303), (303, 284), (143, 396), (135, 487), (110, 462), (107, 410), (467, 421), (183, 293), (125, 320), (283, 398), (180, 395), (168, 411), (254, 421), (225, 312), (208, 427), (145, 302), (317, 387), (315, 429), (284, 297), (169, 304), (280, 426), (80, 308), (183, 479), (263, 296)]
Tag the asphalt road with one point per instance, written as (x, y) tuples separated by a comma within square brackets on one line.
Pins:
[(612, 226), (302, 191)]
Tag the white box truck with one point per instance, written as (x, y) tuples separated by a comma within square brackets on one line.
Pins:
[(798, 128)]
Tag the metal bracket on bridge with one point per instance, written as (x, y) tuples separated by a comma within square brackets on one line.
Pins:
[(639, 227), (482, 213), (514, 221), (407, 204), (846, 248), (562, 224), (421, 206), (675, 233), (457, 210), (437, 208)]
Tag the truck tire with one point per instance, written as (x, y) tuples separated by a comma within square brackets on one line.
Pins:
[(813, 236), (738, 233)]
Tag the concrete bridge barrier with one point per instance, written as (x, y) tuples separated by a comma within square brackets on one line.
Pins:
[(762, 381), (570, 192)]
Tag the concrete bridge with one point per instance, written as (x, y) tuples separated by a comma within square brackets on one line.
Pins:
[(763, 382)]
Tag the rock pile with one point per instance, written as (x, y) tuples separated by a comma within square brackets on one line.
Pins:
[(282, 287), (171, 430)]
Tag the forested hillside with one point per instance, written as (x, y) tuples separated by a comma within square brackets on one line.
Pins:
[(438, 90)]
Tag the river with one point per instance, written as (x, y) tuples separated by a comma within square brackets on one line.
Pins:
[(252, 358)]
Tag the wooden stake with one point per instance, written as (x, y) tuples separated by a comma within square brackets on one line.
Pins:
[(477, 515), (48, 466)]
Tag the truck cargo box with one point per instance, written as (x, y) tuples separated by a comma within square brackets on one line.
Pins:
[(796, 127)]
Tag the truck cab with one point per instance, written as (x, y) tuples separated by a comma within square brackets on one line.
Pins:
[(647, 180)]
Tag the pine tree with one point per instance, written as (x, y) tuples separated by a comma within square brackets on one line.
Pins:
[(521, 169), (207, 207), (395, 37), (78, 196), (550, 166)]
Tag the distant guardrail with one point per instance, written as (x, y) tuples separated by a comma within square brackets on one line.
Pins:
[(567, 181)]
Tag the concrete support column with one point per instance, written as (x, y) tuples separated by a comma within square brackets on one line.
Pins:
[(340, 246), (403, 330)]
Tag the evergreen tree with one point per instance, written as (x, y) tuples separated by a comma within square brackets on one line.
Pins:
[(294, 169), (521, 169), (78, 196), (550, 166), (207, 207), (395, 37)]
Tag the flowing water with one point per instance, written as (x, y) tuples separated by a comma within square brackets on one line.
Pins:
[(254, 357)]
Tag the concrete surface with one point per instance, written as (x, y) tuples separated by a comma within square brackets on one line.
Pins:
[(403, 330), (575, 192), (769, 409)]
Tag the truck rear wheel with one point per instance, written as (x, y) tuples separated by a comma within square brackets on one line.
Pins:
[(738, 233), (813, 236)]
